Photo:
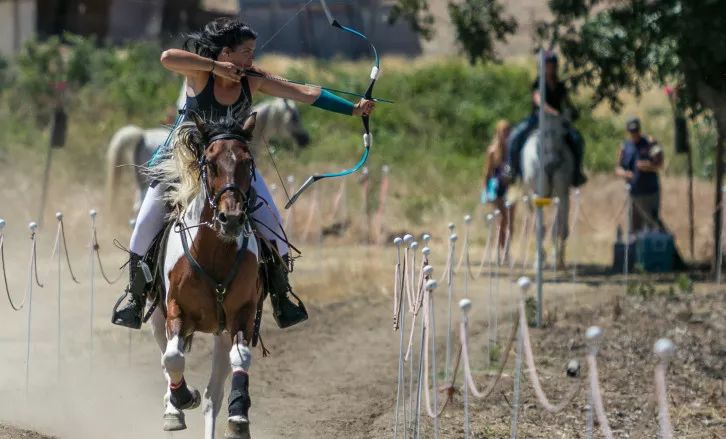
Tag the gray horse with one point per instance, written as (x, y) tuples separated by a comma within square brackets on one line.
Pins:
[(558, 165), (134, 145)]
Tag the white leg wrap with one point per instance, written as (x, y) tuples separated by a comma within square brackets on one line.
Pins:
[(173, 359), (268, 215), (149, 221), (240, 356)]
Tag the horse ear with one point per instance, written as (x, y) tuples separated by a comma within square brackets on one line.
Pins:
[(249, 124), (199, 122)]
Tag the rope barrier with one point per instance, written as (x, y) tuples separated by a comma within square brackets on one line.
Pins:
[(531, 368), (463, 330), (59, 217)]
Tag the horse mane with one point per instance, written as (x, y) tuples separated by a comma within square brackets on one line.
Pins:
[(178, 168)]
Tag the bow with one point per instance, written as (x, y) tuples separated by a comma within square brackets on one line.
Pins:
[(367, 136)]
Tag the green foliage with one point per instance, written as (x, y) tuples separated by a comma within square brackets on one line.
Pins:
[(530, 311), (642, 286), (632, 45), (434, 135), (479, 25), (685, 284), (416, 13), (495, 352)]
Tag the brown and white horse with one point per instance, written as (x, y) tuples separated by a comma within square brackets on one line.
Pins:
[(210, 269)]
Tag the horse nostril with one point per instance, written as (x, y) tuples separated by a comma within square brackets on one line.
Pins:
[(222, 218)]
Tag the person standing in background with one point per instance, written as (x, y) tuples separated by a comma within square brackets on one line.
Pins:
[(638, 162)]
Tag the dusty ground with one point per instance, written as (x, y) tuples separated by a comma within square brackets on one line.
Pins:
[(336, 375)]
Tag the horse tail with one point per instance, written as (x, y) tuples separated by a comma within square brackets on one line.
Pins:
[(119, 149)]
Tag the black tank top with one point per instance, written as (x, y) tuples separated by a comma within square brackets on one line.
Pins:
[(207, 106)]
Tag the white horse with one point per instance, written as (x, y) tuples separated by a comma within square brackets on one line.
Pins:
[(134, 145), (558, 164)]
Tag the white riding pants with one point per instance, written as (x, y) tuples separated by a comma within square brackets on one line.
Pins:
[(153, 210)]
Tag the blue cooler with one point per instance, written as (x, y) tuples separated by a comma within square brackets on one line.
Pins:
[(654, 251)]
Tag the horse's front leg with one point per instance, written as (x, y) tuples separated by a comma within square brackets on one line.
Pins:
[(182, 396), (240, 358), (173, 417), (215, 388)]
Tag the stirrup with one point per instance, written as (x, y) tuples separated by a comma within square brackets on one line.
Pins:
[(286, 313)]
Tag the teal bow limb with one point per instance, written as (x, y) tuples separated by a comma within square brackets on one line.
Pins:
[(367, 136)]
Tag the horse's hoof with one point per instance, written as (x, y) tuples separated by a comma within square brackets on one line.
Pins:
[(174, 422), (238, 427)]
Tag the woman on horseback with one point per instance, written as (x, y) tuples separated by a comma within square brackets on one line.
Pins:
[(556, 101), (216, 63)]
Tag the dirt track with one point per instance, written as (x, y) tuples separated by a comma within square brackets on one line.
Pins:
[(334, 376), (330, 377)]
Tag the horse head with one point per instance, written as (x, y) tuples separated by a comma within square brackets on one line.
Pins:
[(292, 124), (226, 169)]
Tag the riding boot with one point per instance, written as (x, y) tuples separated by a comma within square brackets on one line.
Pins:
[(285, 312), (130, 314), (576, 147)]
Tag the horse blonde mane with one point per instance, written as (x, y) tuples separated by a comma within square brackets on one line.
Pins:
[(179, 168)]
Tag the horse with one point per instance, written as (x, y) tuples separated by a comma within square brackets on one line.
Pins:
[(558, 164), (210, 269), (278, 118)]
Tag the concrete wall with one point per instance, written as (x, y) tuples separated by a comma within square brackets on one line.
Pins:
[(17, 24)]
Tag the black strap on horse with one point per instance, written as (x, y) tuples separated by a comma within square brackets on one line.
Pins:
[(220, 288)]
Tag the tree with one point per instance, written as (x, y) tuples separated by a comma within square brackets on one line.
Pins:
[(628, 45), (479, 24), (614, 46)]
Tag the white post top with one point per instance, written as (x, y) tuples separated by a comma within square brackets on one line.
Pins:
[(524, 283), (465, 306), (593, 335), (664, 349)]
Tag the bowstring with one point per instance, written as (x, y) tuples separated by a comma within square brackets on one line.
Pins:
[(274, 165)]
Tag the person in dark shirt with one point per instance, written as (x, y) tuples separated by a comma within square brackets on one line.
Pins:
[(638, 162), (556, 100)]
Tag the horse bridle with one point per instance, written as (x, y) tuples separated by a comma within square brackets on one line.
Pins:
[(247, 198)]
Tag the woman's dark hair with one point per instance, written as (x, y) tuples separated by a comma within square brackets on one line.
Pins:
[(218, 34)]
